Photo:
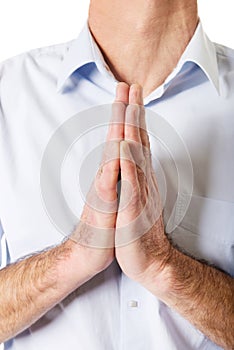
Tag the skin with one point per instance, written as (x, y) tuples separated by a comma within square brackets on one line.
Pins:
[(150, 36), (29, 288)]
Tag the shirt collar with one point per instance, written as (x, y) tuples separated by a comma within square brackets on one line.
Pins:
[(202, 52), (84, 49)]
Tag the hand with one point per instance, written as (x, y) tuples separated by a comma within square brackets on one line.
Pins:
[(95, 234), (142, 248)]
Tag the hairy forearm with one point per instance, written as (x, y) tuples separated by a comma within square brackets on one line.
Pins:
[(200, 293), (29, 288)]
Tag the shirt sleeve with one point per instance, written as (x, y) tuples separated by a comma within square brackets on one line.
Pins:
[(3, 243), (3, 248)]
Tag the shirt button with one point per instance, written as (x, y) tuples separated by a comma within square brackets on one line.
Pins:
[(133, 303)]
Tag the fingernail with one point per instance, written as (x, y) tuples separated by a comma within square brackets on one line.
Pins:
[(135, 94), (121, 91)]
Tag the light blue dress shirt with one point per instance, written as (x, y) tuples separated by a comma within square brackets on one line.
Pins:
[(40, 91)]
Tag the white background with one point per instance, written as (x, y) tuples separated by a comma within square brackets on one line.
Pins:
[(27, 24)]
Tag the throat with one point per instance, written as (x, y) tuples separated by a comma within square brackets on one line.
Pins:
[(145, 47)]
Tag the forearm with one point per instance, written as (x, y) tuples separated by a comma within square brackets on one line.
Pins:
[(200, 293), (29, 288)]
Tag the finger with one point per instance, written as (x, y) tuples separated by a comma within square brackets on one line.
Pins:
[(116, 126), (132, 115), (132, 123), (136, 97), (122, 93), (127, 164), (143, 129), (107, 175), (115, 132), (130, 201), (132, 170), (136, 94)]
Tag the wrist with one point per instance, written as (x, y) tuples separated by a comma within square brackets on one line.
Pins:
[(159, 275), (84, 262), (71, 271)]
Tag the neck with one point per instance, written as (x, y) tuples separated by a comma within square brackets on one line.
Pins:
[(143, 40)]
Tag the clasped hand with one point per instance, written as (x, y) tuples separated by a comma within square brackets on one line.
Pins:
[(128, 226)]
